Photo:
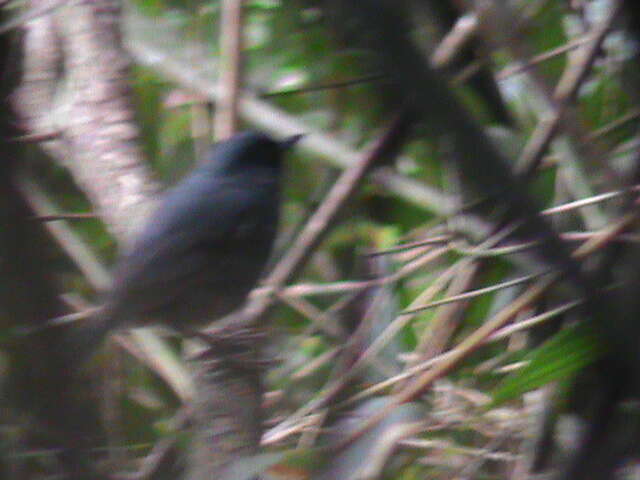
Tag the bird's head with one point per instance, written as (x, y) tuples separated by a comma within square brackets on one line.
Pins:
[(249, 150)]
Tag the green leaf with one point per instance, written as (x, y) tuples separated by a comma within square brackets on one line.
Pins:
[(563, 355)]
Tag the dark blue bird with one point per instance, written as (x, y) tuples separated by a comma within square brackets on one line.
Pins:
[(204, 248)]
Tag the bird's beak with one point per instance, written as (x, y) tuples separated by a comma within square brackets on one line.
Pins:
[(289, 142)]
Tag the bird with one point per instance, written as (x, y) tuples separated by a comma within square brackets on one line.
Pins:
[(203, 249)]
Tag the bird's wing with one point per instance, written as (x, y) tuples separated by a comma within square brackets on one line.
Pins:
[(176, 247)]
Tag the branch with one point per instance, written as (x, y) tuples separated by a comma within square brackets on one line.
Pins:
[(226, 121)]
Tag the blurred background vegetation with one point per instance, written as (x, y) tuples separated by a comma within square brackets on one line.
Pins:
[(421, 299)]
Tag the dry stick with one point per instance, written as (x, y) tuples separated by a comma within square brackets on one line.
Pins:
[(455, 448), (65, 216), (626, 147), (471, 468), (326, 86), (542, 57), (628, 117), (315, 363), (226, 120), (564, 94), (521, 247), (534, 320), (455, 40), (97, 275), (408, 246), (313, 289), (317, 317), (473, 293), (565, 207), (341, 288), (415, 264), (495, 251), (579, 236), (522, 67), (447, 318), (39, 137), (606, 235)]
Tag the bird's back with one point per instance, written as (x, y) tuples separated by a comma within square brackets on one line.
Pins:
[(202, 251)]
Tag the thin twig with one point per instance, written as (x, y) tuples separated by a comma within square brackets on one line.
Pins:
[(475, 293), (443, 324), (628, 117), (318, 318), (439, 239), (535, 320), (565, 207), (542, 57), (65, 216), (97, 275), (226, 119), (327, 86)]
